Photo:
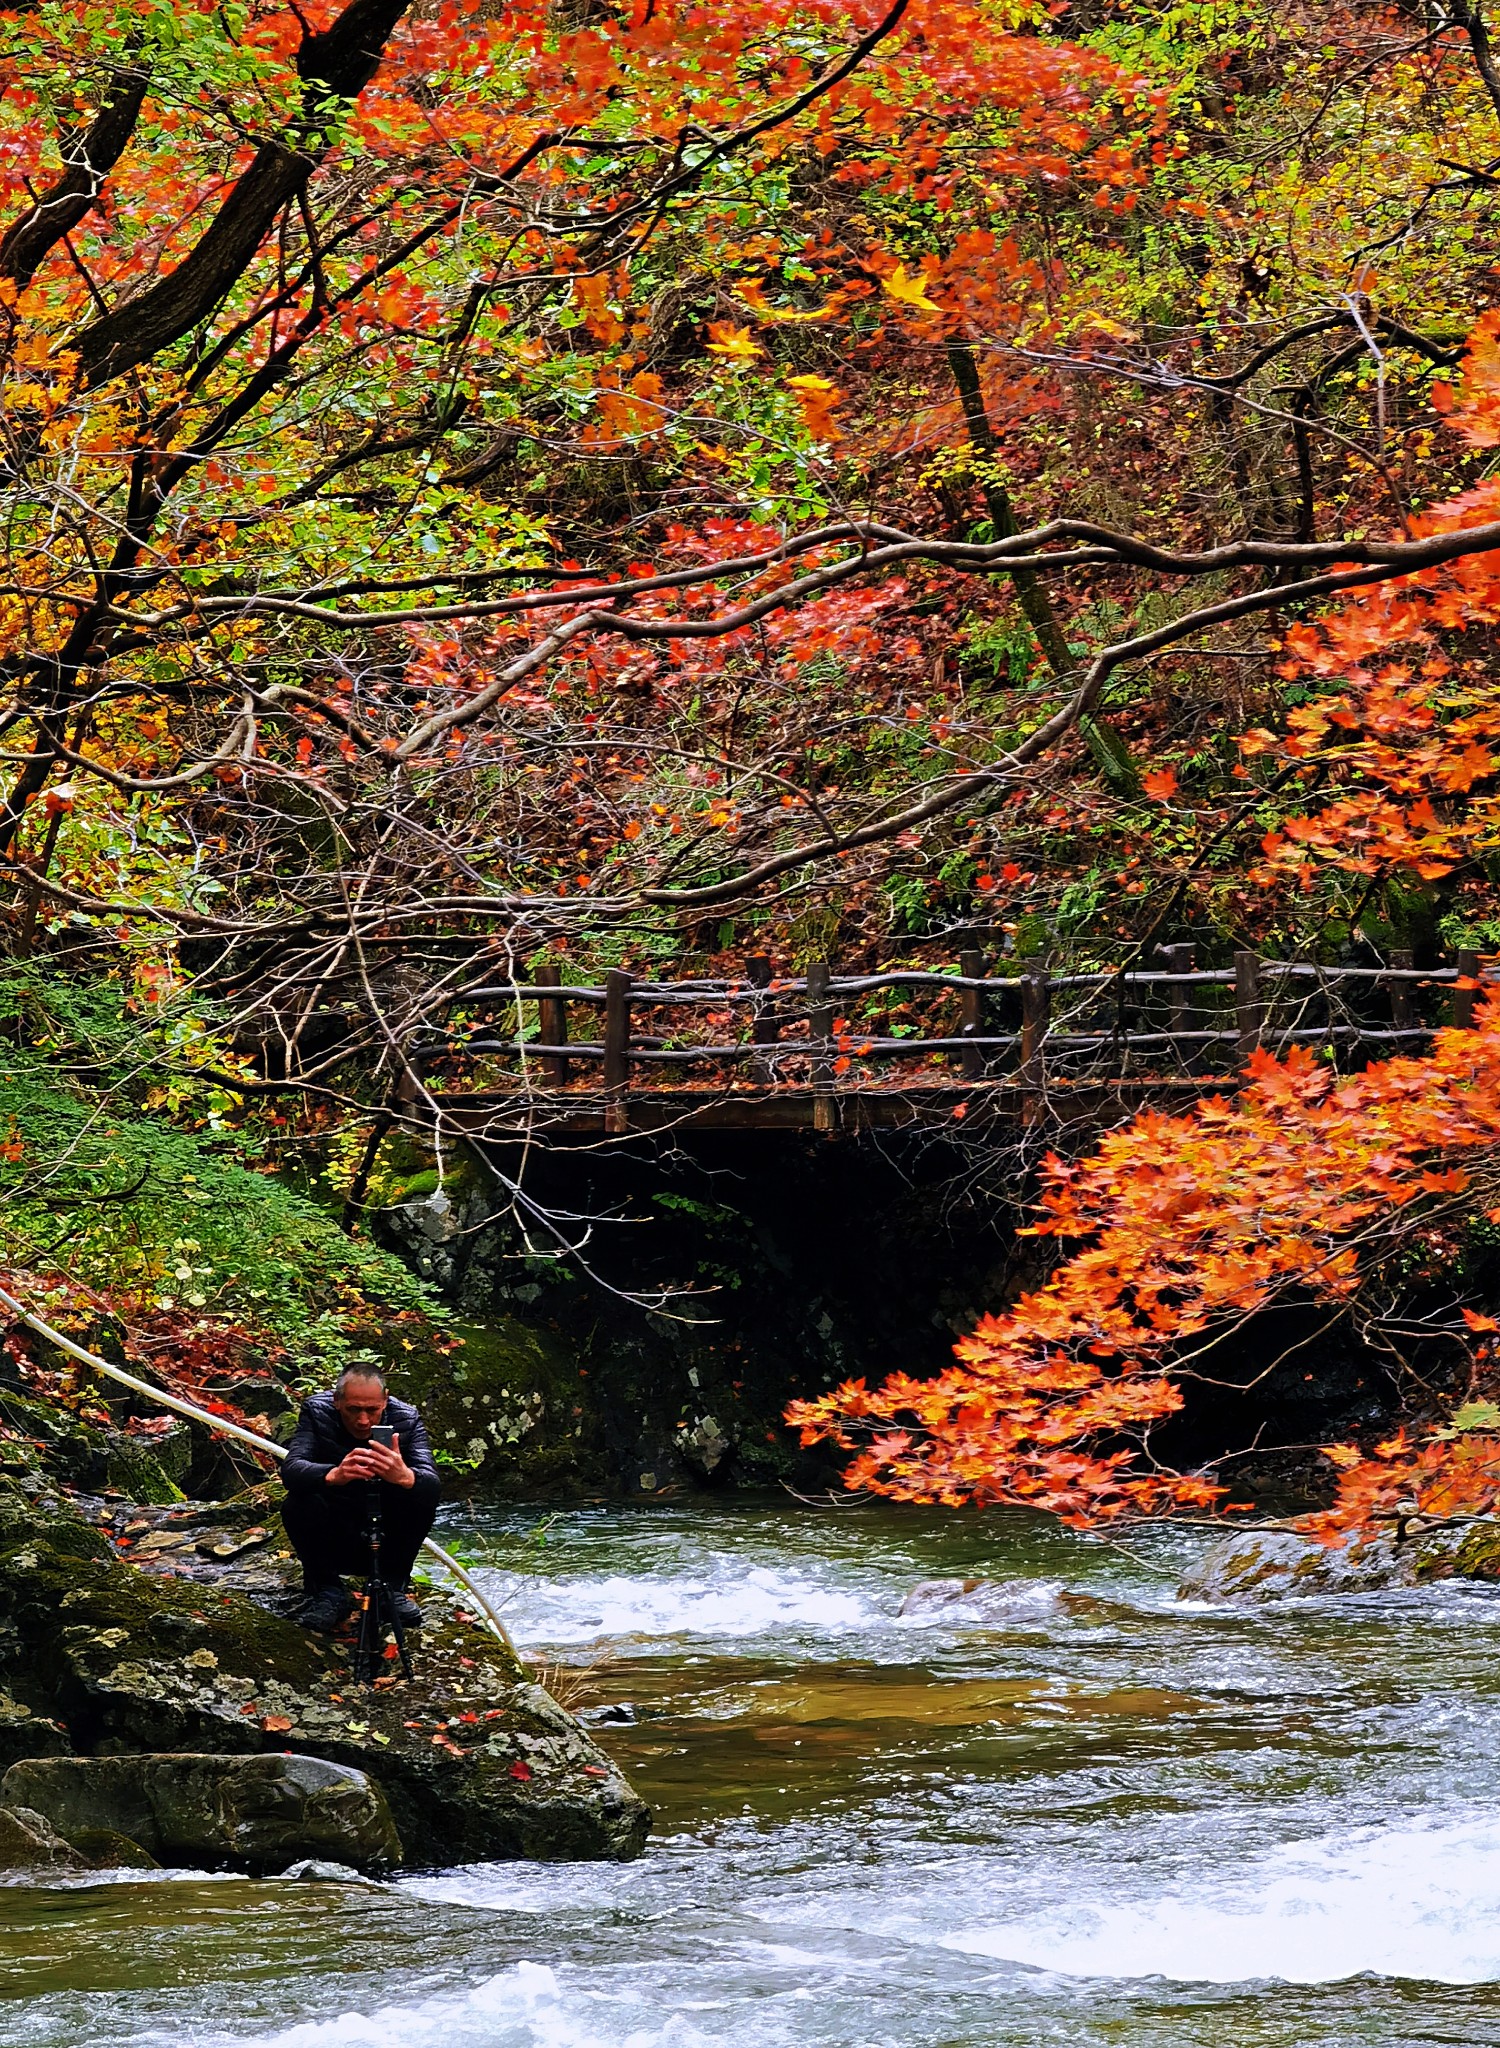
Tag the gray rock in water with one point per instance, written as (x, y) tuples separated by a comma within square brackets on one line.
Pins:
[(998, 1603), (317, 1870), (979, 1599), (1278, 1564), (253, 1813), (28, 1841)]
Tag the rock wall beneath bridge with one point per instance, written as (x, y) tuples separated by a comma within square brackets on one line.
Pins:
[(790, 1264)]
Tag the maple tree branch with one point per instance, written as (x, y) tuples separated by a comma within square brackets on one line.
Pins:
[(879, 547), (87, 162), (1034, 746), (335, 65)]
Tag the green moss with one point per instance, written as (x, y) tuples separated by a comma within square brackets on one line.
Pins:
[(1477, 1557), (500, 1407), (140, 1476), (94, 1104)]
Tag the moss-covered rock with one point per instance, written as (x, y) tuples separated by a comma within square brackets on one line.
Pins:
[(23, 1733), (474, 1760), (108, 1849), (1474, 1554), (502, 1407), (29, 1842), (259, 1814), (54, 1444), (1278, 1564)]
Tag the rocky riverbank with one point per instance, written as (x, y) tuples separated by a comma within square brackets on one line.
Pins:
[(189, 1650)]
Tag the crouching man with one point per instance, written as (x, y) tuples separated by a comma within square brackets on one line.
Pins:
[(332, 1463)]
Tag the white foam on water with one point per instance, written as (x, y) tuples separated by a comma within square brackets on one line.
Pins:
[(1415, 1902), (522, 2007), (541, 1888), (724, 1600)]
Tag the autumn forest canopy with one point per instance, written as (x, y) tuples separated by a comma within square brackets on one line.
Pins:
[(646, 485)]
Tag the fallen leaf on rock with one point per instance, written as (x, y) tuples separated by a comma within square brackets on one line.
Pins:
[(520, 1770), (276, 1724)]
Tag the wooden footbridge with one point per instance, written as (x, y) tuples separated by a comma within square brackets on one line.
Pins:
[(827, 1052)]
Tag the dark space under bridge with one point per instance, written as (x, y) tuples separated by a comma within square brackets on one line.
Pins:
[(833, 1053)]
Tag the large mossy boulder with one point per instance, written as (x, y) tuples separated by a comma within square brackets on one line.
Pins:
[(259, 1814), (474, 1761), (1278, 1564)]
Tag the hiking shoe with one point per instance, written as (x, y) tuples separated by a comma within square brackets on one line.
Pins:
[(326, 1608), (408, 1613)]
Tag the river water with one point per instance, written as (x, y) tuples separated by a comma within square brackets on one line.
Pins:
[(1099, 1817)]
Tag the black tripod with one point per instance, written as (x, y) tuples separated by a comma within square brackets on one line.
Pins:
[(379, 1615)]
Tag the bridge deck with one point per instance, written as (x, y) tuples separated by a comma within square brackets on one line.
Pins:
[(786, 1108)]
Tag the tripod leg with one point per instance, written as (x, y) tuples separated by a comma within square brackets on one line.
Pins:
[(367, 1643)]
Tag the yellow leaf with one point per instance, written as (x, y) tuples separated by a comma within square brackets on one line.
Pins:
[(737, 343), (752, 291), (910, 291)]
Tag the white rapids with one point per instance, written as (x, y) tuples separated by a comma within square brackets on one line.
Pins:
[(1025, 1820)]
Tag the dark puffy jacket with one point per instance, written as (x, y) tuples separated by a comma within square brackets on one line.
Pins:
[(321, 1442)]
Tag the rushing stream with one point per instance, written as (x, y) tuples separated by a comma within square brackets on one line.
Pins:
[(1103, 1818)]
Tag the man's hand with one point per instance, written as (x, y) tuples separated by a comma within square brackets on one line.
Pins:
[(369, 1461)]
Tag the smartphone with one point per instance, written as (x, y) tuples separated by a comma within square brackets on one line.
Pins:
[(384, 1435)]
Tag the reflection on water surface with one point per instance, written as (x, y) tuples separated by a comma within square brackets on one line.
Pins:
[(1104, 1819)]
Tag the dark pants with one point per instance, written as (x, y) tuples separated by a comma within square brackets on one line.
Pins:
[(329, 1530)]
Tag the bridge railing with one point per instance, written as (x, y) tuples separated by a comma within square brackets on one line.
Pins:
[(766, 1032)]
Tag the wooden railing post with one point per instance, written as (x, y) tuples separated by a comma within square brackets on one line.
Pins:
[(553, 1015), (1249, 1009), (616, 1049), (1180, 960), (1463, 998), (765, 1025), (971, 1012), (1036, 1007), (1403, 995), (820, 1032)]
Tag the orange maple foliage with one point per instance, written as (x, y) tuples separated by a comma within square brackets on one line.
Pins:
[(1402, 739), (1304, 1184)]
